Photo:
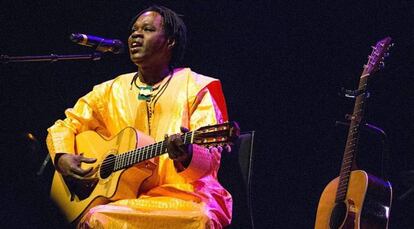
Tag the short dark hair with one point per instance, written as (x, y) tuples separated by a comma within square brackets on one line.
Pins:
[(174, 28)]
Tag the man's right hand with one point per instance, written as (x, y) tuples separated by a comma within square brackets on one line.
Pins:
[(70, 165)]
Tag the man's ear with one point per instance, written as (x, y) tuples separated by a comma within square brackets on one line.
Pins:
[(171, 43)]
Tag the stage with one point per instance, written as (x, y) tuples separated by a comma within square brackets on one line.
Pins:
[(282, 65)]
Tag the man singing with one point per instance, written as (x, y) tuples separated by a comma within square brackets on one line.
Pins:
[(158, 100)]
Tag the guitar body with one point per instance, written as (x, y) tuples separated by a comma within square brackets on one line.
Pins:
[(75, 198), (367, 204)]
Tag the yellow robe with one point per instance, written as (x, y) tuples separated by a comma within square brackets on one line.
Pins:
[(192, 198)]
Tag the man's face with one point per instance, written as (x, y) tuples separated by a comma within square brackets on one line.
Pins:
[(147, 42)]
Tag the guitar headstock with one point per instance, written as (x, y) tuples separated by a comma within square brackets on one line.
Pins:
[(377, 56), (215, 135)]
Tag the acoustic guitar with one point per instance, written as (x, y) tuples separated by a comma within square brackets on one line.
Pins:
[(357, 199), (123, 163)]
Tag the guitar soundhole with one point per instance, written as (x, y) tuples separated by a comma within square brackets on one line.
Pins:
[(338, 215), (107, 166)]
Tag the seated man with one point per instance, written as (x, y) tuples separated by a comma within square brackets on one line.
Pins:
[(157, 100)]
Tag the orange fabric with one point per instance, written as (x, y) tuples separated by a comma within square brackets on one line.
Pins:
[(190, 100)]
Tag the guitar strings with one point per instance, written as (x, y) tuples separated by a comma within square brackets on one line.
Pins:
[(131, 155), (124, 158), (139, 153)]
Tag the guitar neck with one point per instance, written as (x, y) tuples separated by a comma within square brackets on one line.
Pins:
[(352, 139), (127, 159)]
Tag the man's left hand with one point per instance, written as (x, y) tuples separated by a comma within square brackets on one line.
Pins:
[(177, 150)]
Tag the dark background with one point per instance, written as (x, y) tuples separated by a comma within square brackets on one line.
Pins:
[(282, 64)]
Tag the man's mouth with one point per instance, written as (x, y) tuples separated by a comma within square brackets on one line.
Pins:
[(135, 46)]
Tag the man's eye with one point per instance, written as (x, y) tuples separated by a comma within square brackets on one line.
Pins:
[(146, 29)]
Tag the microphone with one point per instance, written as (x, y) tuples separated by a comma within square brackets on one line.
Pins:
[(98, 43)]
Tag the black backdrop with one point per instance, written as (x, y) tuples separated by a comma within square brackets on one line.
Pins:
[(282, 64)]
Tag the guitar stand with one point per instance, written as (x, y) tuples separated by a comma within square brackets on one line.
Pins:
[(372, 128), (408, 178), (385, 146), (352, 93)]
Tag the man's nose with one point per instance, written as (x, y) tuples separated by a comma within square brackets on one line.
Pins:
[(136, 34)]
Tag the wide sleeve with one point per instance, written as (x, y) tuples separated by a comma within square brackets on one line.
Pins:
[(85, 115), (208, 108)]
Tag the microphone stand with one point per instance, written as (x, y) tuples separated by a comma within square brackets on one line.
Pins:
[(4, 59)]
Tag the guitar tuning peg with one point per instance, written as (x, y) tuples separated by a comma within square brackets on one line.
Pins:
[(386, 54), (381, 64)]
